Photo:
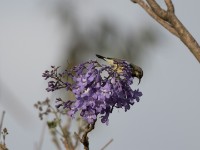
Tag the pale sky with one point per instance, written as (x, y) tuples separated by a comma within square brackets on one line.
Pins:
[(167, 117)]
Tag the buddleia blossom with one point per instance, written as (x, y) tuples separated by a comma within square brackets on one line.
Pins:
[(98, 89)]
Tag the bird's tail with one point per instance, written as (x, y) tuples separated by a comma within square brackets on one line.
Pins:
[(101, 57)]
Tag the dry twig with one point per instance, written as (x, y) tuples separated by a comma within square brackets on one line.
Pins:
[(3, 133), (107, 144), (85, 140), (168, 19), (1, 122)]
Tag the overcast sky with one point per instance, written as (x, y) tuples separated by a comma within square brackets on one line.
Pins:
[(167, 116)]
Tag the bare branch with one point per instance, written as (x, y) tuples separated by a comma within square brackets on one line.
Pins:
[(85, 140), (1, 122), (157, 9), (169, 20), (170, 6), (107, 144), (185, 36), (156, 17)]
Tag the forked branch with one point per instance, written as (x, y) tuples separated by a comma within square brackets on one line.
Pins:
[(168, 19)]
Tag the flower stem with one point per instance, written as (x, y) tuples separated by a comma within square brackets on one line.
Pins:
[(85, 140)]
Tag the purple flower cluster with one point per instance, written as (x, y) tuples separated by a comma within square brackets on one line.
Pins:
[(97, 89)]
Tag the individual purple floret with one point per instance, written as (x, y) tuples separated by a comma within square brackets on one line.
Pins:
[(98, 89)]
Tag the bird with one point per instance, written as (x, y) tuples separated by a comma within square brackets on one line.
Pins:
[(114, 62)]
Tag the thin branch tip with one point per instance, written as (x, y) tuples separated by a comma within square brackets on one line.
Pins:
[(170, 22)]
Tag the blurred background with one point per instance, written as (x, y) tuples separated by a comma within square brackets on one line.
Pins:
[(36, 34)]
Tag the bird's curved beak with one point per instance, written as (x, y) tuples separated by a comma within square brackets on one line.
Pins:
[(139, 80)]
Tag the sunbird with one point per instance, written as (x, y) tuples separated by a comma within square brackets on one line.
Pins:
[(114, 62)]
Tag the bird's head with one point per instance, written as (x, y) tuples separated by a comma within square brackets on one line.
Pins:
[(137, 72)]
